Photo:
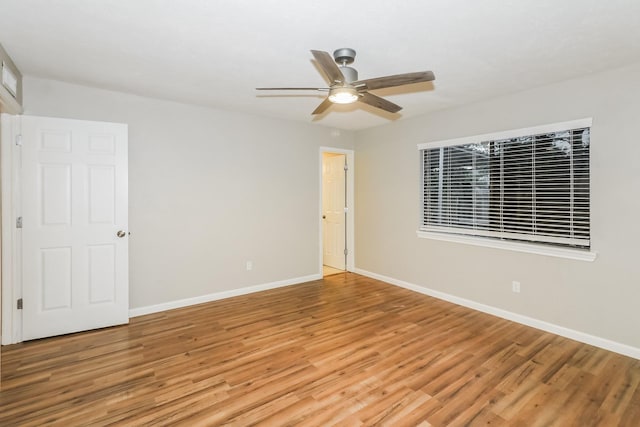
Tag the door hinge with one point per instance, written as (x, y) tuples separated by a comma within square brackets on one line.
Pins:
[(19, 140), (19, 304), (346, 251), (19, 222), (346, 167)]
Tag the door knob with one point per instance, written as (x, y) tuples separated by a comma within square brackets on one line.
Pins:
[(121, 233)]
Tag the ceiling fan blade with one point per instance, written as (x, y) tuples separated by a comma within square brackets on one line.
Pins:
[(293, 88), (376, 101), (396, 80), (329, 66), (322, 107)]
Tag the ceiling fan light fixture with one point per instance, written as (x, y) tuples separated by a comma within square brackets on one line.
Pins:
[(343, 95)]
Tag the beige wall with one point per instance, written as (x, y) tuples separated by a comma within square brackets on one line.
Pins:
[(208, 190), (599, 298)]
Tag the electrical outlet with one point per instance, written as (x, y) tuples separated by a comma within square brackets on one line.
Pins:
[(249, 265), (515, 287)]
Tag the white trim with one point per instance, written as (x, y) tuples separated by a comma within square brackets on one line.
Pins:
[(149, 309), (481, 233), (11, 236), (512, 133), (603, 343), (351, 212), (537, 249)]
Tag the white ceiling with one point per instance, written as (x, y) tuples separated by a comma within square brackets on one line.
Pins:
[(215, 52)]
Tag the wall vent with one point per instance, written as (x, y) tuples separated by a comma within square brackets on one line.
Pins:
[(10, 85)]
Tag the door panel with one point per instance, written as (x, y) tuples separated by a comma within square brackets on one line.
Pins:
[(74, 201), (102, 193), (56, 194), (55, 278)]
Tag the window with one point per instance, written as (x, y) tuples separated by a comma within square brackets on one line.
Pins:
[(528, 185)]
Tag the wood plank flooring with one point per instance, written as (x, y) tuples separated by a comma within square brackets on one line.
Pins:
[(346, 350)]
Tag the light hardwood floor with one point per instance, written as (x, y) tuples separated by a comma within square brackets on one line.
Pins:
[(345, 350)]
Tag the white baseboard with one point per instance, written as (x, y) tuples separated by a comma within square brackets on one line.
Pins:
[(141, 311), (515, 317)]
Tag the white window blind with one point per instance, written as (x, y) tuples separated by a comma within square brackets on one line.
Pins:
[(532, 186)]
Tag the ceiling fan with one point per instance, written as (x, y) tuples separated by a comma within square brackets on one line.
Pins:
[(344, 86)]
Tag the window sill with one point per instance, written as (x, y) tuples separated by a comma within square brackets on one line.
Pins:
[(574, 254)]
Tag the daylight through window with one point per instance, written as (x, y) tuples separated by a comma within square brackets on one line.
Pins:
[(530, 187)]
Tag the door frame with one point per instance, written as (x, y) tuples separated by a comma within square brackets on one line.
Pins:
[(11, 236), (350, 221)]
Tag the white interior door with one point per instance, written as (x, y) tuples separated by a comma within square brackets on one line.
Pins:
[(333, 205), (75, 223)]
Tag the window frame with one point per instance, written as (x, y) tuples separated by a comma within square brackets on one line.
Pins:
[(518, 246)]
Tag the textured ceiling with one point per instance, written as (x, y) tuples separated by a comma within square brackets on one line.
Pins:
[(214, 53)]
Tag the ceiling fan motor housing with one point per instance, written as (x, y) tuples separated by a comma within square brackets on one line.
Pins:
[(350, 74)]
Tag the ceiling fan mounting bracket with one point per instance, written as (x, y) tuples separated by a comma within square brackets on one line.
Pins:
[(344, 56)]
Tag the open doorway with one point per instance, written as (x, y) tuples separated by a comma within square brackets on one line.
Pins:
[(336, 211)]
